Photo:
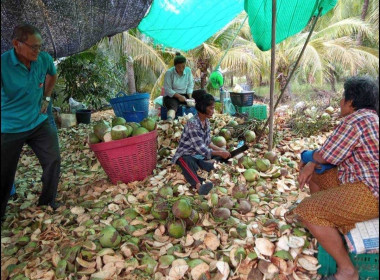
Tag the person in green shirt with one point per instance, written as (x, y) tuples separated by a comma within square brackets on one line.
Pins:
[(28, 77), (178, 85)]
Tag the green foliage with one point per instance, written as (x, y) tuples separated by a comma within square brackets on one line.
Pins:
[(89, 77), (305, 126)]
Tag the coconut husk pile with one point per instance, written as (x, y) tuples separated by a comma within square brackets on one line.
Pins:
[(159, 228)]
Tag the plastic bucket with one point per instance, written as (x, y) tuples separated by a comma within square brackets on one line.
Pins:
[(83, 116), (134, 116)]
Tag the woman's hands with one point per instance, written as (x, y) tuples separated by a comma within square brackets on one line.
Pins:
[(306, 171), (181, 98), (224, 154)]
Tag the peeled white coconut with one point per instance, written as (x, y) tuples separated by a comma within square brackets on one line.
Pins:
[(282, 243)]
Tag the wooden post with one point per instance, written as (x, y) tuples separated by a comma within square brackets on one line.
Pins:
[(272, 71)]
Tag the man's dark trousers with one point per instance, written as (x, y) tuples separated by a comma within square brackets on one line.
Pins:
[(43, 140), (190, 165)]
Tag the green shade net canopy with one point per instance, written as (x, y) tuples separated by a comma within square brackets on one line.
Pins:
[(68, 27), (186, 24), (292, 17)]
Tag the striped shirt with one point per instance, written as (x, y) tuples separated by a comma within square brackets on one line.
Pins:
[(195, 140), (354, 148)]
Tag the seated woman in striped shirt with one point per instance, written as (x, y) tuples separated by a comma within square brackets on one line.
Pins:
[(349, 193), (195, 149)]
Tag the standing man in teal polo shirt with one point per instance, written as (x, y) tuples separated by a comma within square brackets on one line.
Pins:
[(28, 77)]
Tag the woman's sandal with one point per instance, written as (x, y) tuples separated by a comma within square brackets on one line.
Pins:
[(205, 188)]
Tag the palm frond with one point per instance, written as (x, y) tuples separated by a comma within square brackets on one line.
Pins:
[(345, 27), (144, 53)]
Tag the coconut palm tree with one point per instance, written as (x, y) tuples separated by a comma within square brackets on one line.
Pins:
[(332, 47)]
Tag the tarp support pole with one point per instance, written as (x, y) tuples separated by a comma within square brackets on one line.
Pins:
[(272, 70), (260, 133)]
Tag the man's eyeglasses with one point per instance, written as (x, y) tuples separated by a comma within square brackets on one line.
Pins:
[(34, 48)]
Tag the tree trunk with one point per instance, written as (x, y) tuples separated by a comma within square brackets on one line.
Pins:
[(232, 81), (288, 92), (362, 17), (249, 81), (131, 76), (332, 80), (203, 64)]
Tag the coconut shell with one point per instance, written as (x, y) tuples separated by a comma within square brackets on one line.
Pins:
[(222, 213), (244, 206), (226, 202)]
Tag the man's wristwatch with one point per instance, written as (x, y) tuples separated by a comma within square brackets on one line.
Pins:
[(46, 98)]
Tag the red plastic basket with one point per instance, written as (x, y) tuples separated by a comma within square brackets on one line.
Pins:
[(129, 159)]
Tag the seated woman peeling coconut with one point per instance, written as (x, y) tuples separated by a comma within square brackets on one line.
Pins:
[(348, 193), (195, 148)]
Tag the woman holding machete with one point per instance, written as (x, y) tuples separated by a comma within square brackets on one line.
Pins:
[(195, 149)]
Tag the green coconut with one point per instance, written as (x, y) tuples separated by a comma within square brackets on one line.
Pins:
[(204, 207), (249, 136), (134, 125), (148, 263), (119, 132), (177, 229), (93, 139), (225, 133), (239, 191), (120, 224), (246, 162), (214, 199), (271, 156), (219, 141), (160, 210), (101, 128), (233, 123), (109, 237), (193, 219), (251, 175), (165, 192), (329, 110), (262, 164), (326, 116), (130, 214), (149, 124), (118, 121), (164, 152), (182, 209), (139, 131)]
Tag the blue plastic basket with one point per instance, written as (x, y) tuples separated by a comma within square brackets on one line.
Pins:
[(134, 116), (182, 110), (130, 103)]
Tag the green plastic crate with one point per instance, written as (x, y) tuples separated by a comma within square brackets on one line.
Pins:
[(257, 111), (366, 264)]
